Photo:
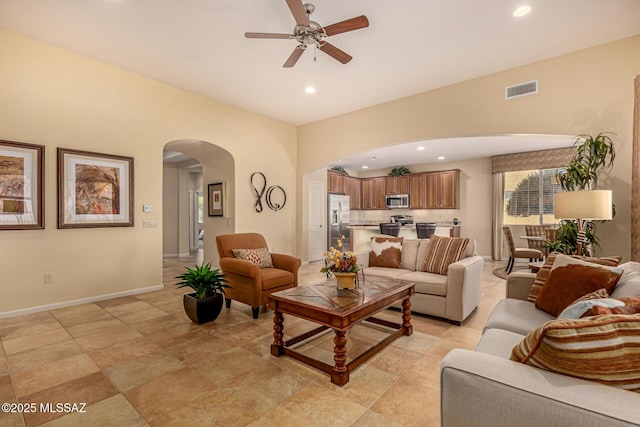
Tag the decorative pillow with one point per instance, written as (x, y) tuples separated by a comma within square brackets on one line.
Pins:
[(386, 252), (600, 348), (442, 252), (600, 293), (629, 283), (626, 305), (581, 308), (261, 256), (409, 254), (571, 278), (543, 273)]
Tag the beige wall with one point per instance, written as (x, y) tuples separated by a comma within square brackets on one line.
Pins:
[(589, 91), (59, 99)]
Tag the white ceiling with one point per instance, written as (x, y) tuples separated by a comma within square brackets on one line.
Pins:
[(411, 46), (451, 150)]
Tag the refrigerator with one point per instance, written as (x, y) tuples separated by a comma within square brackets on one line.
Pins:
[(338, 221)]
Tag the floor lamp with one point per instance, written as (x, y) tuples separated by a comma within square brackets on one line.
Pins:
[(583, 206)]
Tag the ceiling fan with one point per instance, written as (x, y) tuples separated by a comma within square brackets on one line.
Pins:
[(309, 33)]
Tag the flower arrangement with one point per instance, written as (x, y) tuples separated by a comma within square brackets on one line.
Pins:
[(336, 261)]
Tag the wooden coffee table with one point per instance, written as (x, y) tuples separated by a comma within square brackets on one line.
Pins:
[(339, 309)]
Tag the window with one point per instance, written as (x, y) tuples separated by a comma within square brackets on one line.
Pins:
[(527, 198), (200, 207)]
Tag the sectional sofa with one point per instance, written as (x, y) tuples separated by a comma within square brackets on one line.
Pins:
[(485, 388)]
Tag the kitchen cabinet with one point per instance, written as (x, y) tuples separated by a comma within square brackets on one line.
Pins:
[(441, 189), (337, 182), (354, 192), (374, 193), (426, 190), (397, 184), (416, 190)]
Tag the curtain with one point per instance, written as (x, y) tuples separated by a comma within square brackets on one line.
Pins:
[(496, 216)]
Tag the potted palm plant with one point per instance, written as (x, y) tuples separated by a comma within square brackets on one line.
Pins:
[(205, 303)]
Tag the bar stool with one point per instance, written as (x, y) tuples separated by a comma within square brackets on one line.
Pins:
[(425, 229), (390, 228)]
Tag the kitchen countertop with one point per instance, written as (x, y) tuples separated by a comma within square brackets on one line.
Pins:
[(377, 224)]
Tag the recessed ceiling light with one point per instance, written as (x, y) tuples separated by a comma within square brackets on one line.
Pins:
[(420, 148), (310, 89), (373, 158), (441, 158), (521, 11), (365, 167)]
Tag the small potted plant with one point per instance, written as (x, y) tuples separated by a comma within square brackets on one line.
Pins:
[(205, 303), (342, 265)]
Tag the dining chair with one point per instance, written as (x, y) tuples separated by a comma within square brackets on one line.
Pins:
[(537, 231), (514, 252)]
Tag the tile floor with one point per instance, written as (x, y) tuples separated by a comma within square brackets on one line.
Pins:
[(138, 360)]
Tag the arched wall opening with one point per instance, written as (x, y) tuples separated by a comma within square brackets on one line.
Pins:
[(218, 166)]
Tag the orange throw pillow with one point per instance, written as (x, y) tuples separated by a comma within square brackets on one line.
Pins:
[(543, 273), (572, 278), (600, 348)]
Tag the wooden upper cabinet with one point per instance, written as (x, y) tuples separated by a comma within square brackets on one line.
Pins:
[(431, 190), (442, 189), (416, 191), (374, 193), (355, 193), (427, 190), (337, 182), (397, 184), (449, 189)]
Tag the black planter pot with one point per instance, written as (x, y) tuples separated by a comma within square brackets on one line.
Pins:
[(202, 310)]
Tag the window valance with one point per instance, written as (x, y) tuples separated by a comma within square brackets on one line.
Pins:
[(543, 159)]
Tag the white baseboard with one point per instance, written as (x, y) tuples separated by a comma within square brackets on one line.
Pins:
[(87, 300), (176, 255)]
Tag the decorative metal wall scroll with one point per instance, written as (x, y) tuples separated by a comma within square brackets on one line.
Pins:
[(269, 196)]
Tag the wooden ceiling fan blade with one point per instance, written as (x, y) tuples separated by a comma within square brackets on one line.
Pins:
[(267, 36), (293, 58), (348, 25), (298, 12), (336, 53)]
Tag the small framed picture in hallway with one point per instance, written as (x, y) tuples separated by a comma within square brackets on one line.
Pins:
[(216, 199)]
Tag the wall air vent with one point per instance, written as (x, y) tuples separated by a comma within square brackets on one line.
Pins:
[(521, 89)]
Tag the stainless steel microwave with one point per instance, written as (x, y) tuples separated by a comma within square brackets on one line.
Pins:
[(397, 201)]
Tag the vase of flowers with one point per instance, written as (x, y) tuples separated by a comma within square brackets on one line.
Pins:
[(342, 265)]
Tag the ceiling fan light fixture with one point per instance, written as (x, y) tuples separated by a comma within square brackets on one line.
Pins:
[(522, 11)]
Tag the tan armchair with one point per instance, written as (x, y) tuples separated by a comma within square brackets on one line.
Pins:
[(249, 283)]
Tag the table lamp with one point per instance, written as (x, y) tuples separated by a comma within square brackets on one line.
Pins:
[(583, 206)]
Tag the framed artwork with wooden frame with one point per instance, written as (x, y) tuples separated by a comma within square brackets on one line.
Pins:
[(216, 199), (21, 186), (94, 189)]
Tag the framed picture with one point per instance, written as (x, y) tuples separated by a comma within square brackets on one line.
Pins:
[(94, 189), (21, 186), (216, 199)]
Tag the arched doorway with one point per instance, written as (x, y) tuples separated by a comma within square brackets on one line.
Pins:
[(217, 166)]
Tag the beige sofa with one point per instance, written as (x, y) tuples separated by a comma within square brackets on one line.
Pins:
[(485, 388), (453, 296)]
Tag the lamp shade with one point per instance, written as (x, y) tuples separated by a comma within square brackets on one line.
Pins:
[(583, 204)]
